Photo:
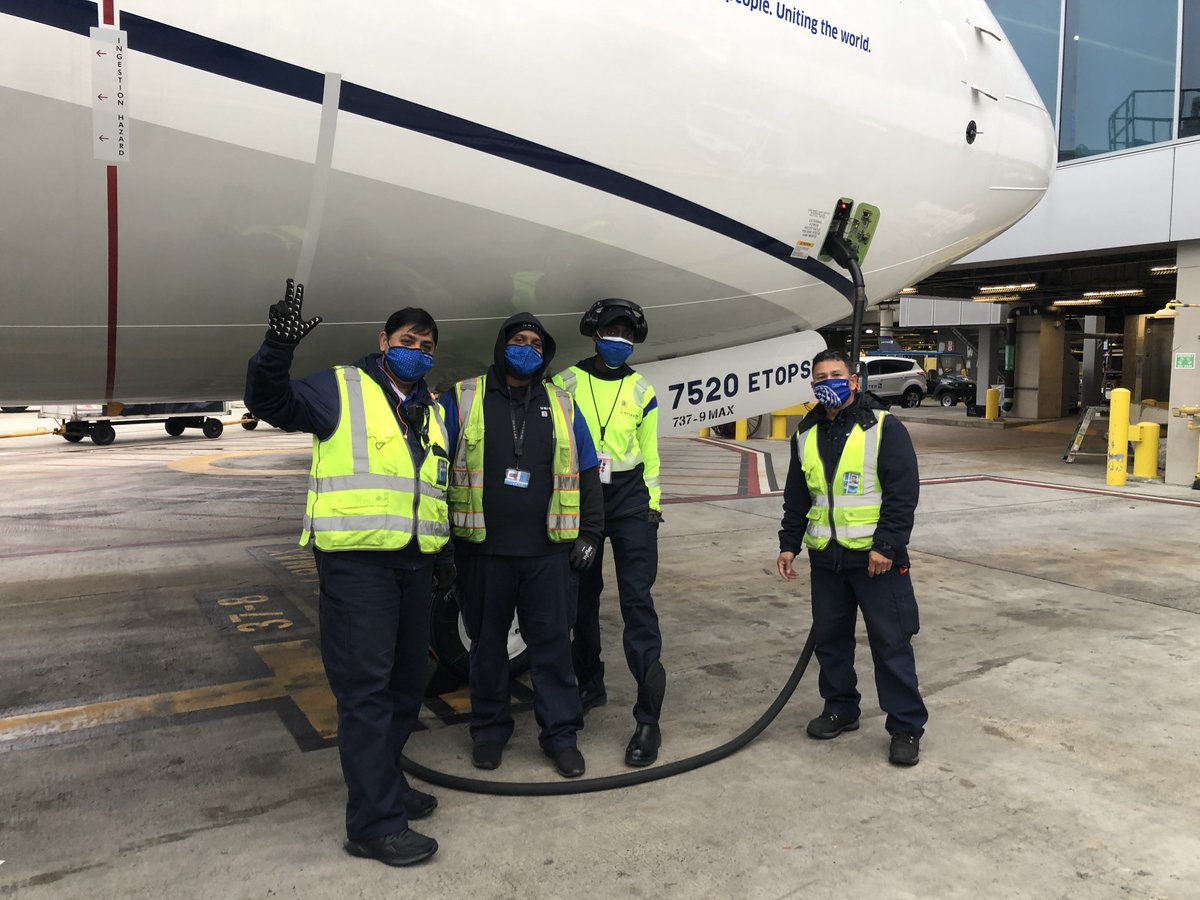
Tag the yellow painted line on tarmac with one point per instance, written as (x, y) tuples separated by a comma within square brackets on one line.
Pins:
[(296, 672), (209, 465), (459, 701)]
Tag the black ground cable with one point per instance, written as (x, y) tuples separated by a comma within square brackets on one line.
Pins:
[(626, 779)]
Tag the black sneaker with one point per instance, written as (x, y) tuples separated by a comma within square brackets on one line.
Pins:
[(401, 849), (419, 804), (486, 754), (568, 761), (905, 749), (826, 726)]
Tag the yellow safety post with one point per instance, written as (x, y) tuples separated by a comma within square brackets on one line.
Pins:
[(1118, 437), (704, 432), (778, 427), (740, 430), (1145, 436), (992, 409), (1192, 413)]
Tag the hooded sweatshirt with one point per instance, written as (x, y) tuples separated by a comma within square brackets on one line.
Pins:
[(516, 517)]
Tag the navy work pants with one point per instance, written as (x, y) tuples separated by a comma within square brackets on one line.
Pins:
[(375, 645), (541, 590), (635, 558), (890, 612)]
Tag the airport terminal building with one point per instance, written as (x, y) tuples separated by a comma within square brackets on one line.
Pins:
[(1104, 274)]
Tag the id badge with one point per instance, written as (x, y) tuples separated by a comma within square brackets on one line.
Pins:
[(850, 483), (443, 472), (516, 478), (605, 467)]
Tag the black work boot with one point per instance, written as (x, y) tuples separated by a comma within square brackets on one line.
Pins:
[(401, 849), (642, 749), (905, 749), (830, 725)]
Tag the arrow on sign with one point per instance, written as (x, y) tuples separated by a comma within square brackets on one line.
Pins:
[(102, 96), (101, 53), (103, 138)]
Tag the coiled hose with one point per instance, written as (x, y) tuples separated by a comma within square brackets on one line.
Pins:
[(625, 779)]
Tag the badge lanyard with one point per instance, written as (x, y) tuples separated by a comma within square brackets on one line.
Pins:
[(616, 397)]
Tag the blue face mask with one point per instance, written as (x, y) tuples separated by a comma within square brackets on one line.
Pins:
[(408, 363), (522, 359), (614, 351), (832, 393)]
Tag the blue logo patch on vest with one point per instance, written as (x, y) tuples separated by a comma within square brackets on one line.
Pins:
[(850, 482)]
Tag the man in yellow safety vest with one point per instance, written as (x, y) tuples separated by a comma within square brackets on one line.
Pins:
[(377, 517), (622, 414), (850, 497)]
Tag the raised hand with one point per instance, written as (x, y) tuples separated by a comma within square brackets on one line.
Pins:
[(285, 323)]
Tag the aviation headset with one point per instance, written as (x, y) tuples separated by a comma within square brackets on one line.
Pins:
[(629, 310)]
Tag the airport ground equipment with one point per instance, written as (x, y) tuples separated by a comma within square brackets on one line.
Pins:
[(99, 420)]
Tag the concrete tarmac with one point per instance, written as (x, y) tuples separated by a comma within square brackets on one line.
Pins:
[(156, 741)]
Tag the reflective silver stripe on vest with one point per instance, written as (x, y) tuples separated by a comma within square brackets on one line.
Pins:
[(466, 400), (640, 388), (844, 500), (651, 480), (816, 529), (402, 524), (569, 381), (371, 482), (463, 519), (870, 457), (358, 418), (563, 522), (566, 482)]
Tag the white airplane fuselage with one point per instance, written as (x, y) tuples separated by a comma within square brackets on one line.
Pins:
[(477, 160)]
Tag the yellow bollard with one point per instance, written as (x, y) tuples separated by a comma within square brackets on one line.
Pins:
[(778, 427), (992, 410), (1118, 437), (704, 432), (1145, 450), (740, 431)]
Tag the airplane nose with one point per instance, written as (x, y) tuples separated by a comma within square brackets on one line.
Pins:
[(1012, 123)]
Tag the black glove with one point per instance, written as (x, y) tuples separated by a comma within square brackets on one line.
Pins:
[(655, 517), (443, 578), (583, 554), (286, 325)]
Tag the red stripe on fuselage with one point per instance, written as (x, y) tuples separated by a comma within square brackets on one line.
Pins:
[(111, 369)]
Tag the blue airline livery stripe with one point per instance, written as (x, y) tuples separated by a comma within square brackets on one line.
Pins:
[(230, 61)]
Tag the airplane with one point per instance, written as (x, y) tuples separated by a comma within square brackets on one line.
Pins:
[(167, 166)]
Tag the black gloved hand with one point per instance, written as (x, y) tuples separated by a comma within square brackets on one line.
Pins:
[(285, 324), (583, 553), (444, 576), (655, 517)]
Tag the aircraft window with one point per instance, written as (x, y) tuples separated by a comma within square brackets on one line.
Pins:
[(1032, 27), (1189, 78), (1118, 81)]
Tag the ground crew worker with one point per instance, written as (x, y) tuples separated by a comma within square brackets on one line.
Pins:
[(622, 414), (851, 493), (526, 511), (377, 516)]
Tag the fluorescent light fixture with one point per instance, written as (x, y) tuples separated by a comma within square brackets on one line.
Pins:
[(1095, 302), (1008, 288), (995, 298), (908, 290), (1123, 292), (1163, 270)]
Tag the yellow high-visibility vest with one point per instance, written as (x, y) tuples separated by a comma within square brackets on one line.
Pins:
[(630, 436), (849, 508), (364, 490), (466, 475)]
